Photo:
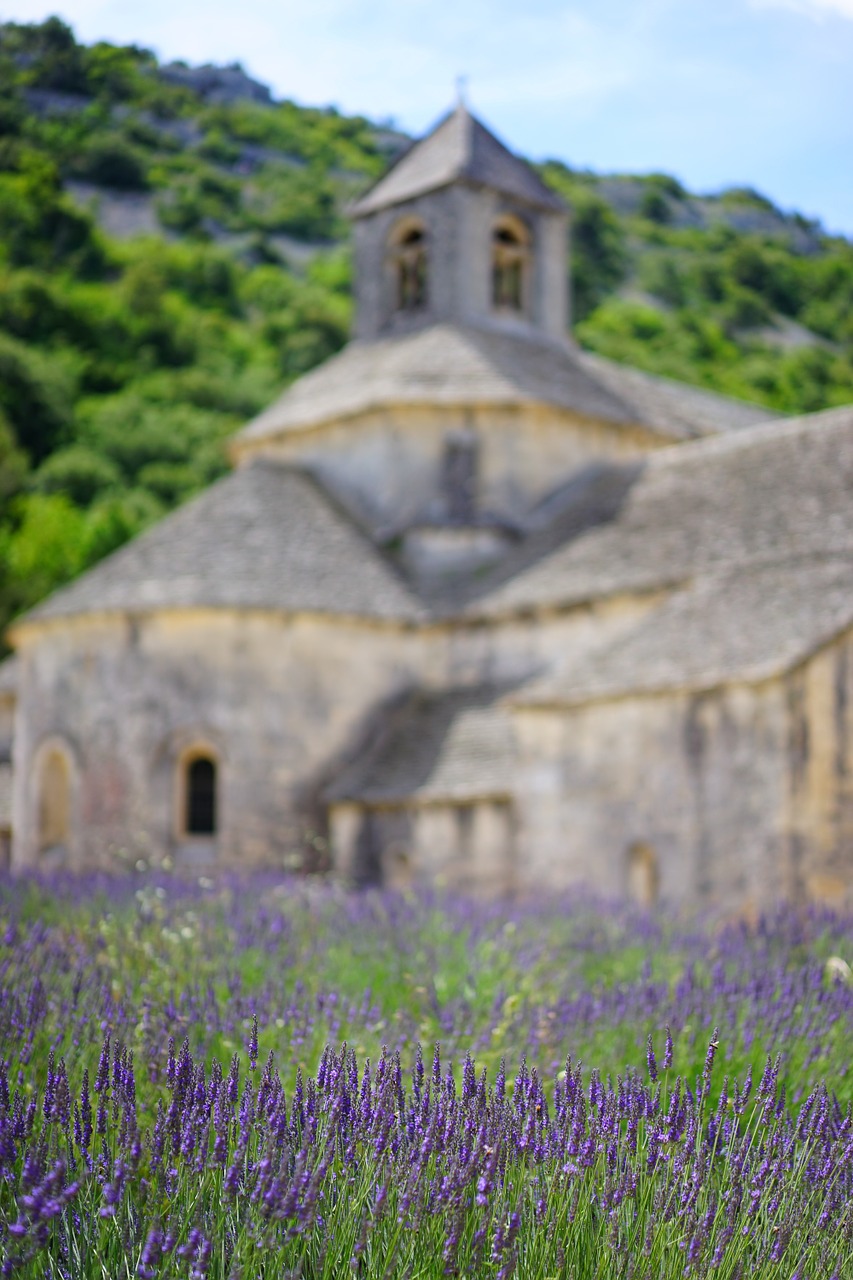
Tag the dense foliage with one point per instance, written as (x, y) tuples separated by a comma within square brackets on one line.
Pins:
[(256, 1079), (127, 360), (126, 364), (726, 292)]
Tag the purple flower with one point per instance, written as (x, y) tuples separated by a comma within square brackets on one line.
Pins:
[(667, 1053), (713, 1045)]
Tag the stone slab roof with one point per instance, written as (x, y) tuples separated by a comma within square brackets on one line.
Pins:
[(775, 493), (270, 537), (745, 626), (446, 364), (264, 537), (685, 412), (459, 148), (452, 746)]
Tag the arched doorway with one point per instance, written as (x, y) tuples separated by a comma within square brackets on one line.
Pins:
[(643, 875), (53, 801)]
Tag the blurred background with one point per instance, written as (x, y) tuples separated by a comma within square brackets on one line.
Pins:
[(174, 246)]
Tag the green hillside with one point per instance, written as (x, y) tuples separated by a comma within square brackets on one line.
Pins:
[(173, 250)]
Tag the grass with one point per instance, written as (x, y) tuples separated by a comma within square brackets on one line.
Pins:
[(350, 1153)]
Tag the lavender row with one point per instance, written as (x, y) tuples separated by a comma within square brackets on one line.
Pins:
[(316, 967), (364, 1169), (706, 1131)]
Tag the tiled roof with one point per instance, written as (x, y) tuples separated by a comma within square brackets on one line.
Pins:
[(745, 625), (265, 537), (683, 410), (270, 537), (459, 148), (447, 364), (752, 531), (450, 746), (772, 494)]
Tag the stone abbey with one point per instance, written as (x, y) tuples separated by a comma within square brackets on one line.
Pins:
[(473, 608)]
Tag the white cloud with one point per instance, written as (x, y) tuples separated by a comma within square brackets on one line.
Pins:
[(813, 8), (359, 52)]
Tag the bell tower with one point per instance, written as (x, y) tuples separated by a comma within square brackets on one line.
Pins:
[(459, 230)]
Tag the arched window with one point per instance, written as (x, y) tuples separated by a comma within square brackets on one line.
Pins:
[(510, 254), (54, 801), (643, 875), (409, 264), (200, 796)]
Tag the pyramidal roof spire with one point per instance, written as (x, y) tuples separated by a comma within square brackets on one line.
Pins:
[(459, 149)]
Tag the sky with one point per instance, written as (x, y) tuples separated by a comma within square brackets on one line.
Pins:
[(717, 92)]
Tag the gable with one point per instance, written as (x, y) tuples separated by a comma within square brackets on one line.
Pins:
[(459, 148)]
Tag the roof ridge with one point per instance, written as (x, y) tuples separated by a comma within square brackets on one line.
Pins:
[(444, 161), (358, 526), (745, 437), (590, 681), (245, 542), (596, 358), (469, 124), (395, 368), (413, 143)]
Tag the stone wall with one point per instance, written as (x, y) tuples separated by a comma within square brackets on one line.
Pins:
[(697, 781), (387, 466), (281, 703), (7, 730), (276, 701), (465, 847), (458, 223), (734, 796), (819, 701)]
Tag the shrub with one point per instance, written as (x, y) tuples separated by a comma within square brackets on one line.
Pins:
[(79, 472), (113, 162)]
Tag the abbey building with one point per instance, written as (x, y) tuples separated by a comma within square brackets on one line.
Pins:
[(474, 607)]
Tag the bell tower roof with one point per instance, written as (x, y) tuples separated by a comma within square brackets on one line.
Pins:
[(459, 149)]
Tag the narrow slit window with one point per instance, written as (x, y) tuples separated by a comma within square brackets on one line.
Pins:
[(201, 797), (459, 478)]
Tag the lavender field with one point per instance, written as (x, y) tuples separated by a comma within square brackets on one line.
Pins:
[(264, 1080)]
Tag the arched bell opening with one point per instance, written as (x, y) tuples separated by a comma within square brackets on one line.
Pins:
[(510, 265), (408, 252)]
